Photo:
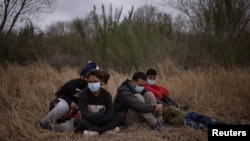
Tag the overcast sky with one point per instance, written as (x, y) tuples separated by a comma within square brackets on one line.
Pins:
[(67, 10)]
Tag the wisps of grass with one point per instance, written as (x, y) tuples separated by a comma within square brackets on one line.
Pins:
[(25, 93)]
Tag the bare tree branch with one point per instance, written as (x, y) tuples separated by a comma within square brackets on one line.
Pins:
[(15, 12), (16, 16), (5, 14)]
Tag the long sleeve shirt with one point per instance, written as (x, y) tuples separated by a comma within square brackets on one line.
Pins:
[(69, 90), (157, 90), (96, 109)]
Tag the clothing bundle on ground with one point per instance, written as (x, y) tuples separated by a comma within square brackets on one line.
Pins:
[(176, 116)]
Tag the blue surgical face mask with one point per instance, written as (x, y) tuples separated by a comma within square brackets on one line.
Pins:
[(94, 87), (138, 88), (150, 82)]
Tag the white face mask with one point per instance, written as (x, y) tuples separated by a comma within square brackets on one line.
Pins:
[(94, 87), (151, 82), (138, 88)]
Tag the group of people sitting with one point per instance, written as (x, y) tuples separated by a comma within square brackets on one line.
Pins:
[(83, 106)]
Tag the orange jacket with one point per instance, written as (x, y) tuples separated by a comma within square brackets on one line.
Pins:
[(157, 90)]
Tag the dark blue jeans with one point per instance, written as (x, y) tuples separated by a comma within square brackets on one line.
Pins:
[(198, 121)]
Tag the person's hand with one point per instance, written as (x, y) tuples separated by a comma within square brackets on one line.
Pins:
[(158, 109), (76, 94), (73, 106)]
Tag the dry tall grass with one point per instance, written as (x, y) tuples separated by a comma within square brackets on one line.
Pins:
[(27, 91)]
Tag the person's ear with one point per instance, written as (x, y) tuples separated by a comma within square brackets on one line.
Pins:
[(133, 83)]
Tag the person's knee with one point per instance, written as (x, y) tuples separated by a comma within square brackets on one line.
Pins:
[(53, 104), (61, 108), (77, 122), (121, 115), (149, 94), (149, 97), (140, 97)]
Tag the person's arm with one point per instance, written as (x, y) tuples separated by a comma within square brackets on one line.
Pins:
[(109, 113), (65, 91), (70, 90), (83, 106), (164, 91), (83, 103), (129, 99), (154, 90)]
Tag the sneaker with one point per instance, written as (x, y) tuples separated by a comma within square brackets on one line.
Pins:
[(156, 127), (39, 125), (161, 126), (164, 124), (113, 131), (90, 133)]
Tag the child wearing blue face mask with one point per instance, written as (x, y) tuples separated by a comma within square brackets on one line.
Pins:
[(139, 104), (63, 109), (160, 92), (171, 113), (95, 105)]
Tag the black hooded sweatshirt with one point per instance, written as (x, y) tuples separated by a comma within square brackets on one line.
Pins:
[(70, 88)]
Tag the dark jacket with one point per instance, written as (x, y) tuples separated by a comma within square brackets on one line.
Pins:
[(126, 99), (70, 88), (97, 110)]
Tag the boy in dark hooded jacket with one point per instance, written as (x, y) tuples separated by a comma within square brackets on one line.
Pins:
[(135, 101)]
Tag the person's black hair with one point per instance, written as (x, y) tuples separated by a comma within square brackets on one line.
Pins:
[(151, 72), (106, 76), (99, 73), (139, 75), (96, 73)]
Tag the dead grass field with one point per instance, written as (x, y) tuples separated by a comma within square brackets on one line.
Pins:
[(25, 94)]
